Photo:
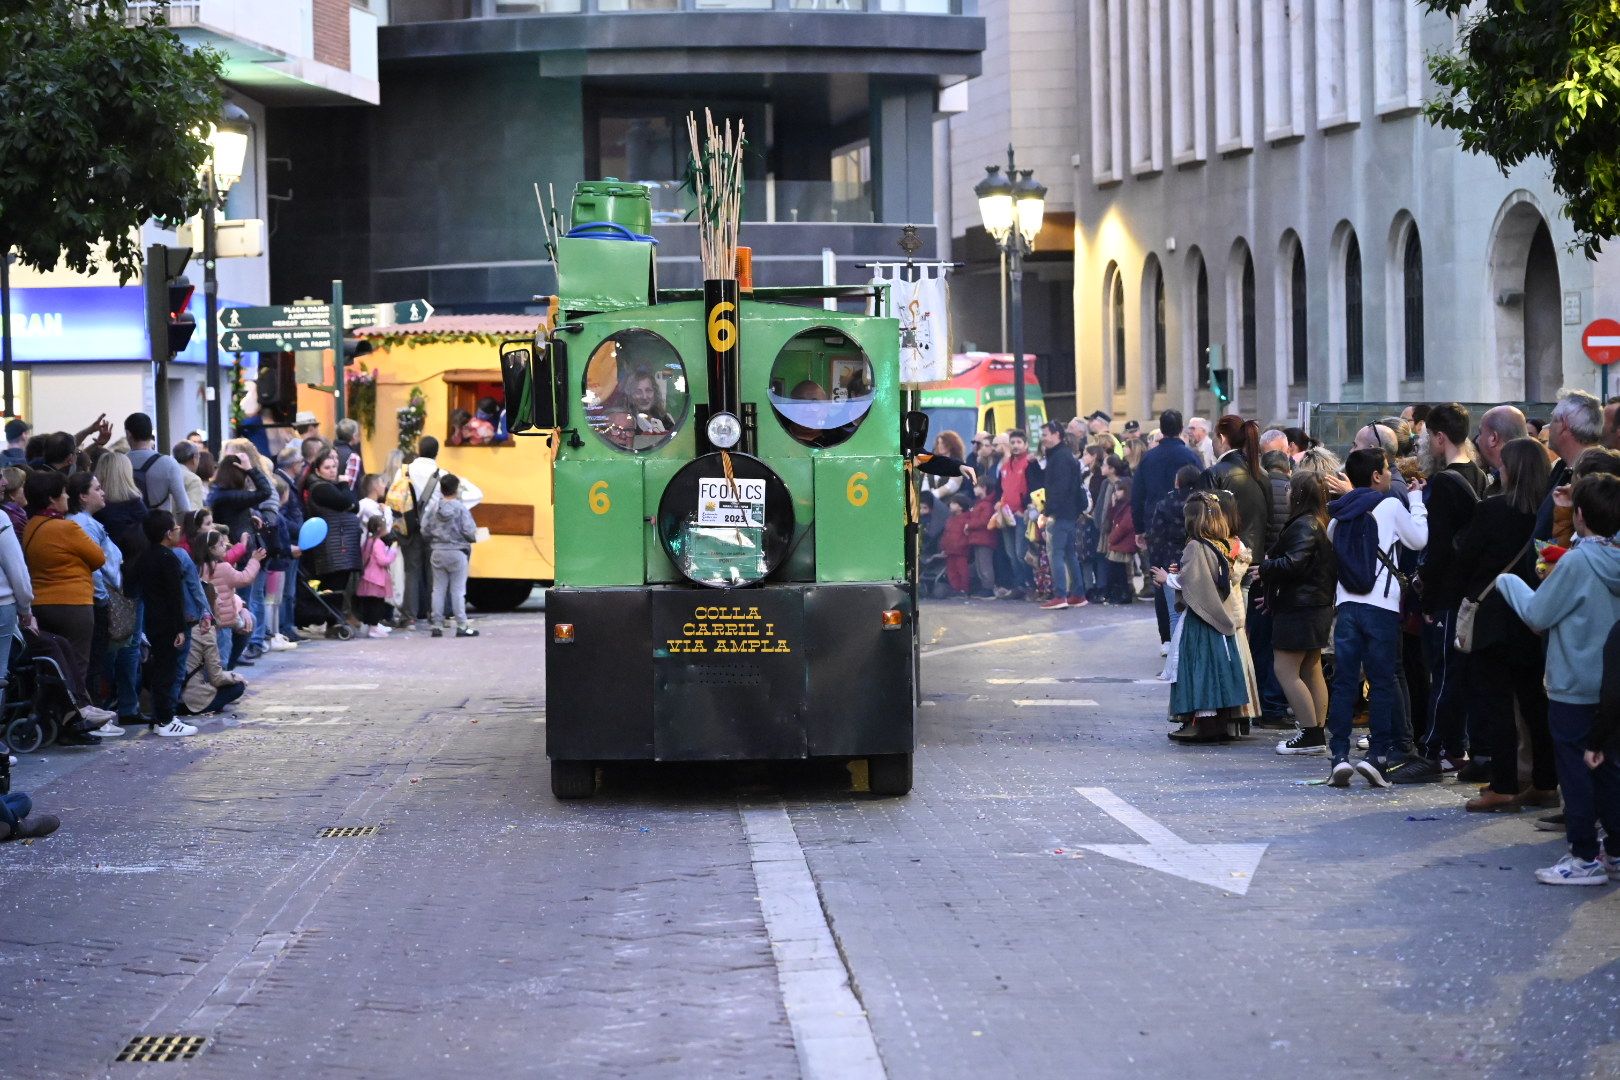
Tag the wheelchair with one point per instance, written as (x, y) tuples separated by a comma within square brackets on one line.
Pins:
[(37, 704)]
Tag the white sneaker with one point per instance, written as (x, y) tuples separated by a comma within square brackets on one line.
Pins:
[(175, 729), (97, 716), (376, 632), (1364, 743), (280, 644), (1611, 864), (1164, 648), (108, 731), (1572, 871)]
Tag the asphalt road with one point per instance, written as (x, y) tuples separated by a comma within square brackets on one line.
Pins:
[(1065, 894)]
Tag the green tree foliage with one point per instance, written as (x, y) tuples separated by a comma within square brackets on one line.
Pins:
[(1540, 78), (103, 120)]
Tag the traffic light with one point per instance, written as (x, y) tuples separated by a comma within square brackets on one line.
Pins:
[(1220, 384), (169, 325)]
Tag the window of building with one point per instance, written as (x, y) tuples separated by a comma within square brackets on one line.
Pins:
[(1161, 357), (1107, 92), (1299, 325), (1282, 50), (1114, 322), (1251, 333), (1189, 108), (1354, 363), (1412, 302), (1146, 77), (1397, 57), (1201, 317), (1338, 62), (1234, 76)]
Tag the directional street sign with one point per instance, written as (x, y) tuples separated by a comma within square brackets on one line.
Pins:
[(399, 313), (289, 327), (273, 340)]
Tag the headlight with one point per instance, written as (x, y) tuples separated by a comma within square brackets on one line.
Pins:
[(724, 430)]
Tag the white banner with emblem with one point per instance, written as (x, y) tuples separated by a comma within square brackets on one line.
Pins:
[(923, 308)]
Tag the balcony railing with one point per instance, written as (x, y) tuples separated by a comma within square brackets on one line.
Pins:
[(773, 200), (407, 11)]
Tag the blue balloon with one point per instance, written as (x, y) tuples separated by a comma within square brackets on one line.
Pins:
[(312, 533)]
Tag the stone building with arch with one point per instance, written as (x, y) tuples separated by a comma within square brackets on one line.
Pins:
[(1257, 176)]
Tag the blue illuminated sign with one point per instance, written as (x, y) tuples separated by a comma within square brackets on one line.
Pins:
[(96, 322)]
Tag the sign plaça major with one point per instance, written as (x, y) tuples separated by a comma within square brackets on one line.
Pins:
[(292, 327)]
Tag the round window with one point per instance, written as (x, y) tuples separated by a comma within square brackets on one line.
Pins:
[(635, 394), (821, 387), (726, 528)]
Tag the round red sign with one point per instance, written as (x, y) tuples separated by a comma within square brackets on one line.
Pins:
[(1601, 340)]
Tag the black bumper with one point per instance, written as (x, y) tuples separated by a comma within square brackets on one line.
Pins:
[(685, 674)]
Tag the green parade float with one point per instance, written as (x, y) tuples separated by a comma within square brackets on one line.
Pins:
[(734, 511)]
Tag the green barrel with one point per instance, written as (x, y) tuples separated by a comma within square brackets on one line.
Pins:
[(615, 201)]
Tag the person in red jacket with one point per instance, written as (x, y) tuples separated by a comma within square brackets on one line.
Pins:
[(1015, 486), (955, 545), (982, 539), (1121, 543)]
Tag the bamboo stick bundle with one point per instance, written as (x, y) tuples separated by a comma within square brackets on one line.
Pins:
[(717, 158)]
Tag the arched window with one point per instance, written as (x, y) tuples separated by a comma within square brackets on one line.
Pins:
[(1114, 341), (1300, 313), (1161, 359), (1250, 327), (1201, 318), (1354, 360), (1412, 302)]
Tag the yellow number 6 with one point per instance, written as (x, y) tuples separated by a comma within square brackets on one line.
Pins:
[(598, 498), (856, 490), (722, 331)]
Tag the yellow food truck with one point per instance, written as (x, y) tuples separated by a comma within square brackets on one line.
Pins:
[(454, 362)]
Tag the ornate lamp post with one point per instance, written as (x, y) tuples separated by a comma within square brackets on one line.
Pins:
[(1012, 206)]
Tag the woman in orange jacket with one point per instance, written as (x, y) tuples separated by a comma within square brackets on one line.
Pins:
[(62, 559)]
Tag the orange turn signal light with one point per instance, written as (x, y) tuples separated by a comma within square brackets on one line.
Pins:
[(893, 619), (563, 633)]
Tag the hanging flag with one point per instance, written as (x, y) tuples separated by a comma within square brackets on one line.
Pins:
[(923, 308)]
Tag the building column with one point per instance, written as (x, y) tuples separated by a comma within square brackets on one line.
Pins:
[(902, 152)]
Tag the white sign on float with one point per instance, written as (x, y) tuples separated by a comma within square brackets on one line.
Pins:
[(731, 504)]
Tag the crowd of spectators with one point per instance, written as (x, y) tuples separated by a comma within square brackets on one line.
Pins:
[(149, 580), (1453, 583)]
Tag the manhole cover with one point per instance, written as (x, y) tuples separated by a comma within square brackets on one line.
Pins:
[(348, 830), (146, 1048)]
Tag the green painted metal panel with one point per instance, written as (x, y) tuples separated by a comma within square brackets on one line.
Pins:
[(603, 275), (861, 517), (655, 476), (599, 522)]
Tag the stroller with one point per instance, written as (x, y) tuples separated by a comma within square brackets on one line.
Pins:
[(37, 704), (312, 606)]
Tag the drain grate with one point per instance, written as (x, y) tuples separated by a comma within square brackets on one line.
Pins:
[(144, 1048), (348, 830)]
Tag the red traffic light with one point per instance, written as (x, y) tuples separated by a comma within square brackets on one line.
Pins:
[(180, 291)]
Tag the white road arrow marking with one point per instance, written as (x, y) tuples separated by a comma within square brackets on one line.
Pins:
[(1229, 867), (1070, 703)]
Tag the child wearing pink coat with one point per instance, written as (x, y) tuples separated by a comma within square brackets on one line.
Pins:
[(378, 553), (232, 622)]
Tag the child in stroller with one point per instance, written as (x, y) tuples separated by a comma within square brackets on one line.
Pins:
[(45, 699)]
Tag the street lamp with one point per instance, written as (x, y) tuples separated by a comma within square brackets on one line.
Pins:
[(227, 154), (1012, 207)]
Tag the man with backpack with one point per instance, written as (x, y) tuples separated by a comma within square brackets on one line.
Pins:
[(420, 492), (162, 480), (1368, 527)]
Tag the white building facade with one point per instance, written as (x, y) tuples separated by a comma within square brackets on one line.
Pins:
[(1256, 179)]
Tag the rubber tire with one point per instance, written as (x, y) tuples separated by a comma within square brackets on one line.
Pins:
[(25, 735), (345, 632), (495, 595), (889, 774), (573, 779)]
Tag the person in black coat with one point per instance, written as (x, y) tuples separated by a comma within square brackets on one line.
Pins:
[(239, 491), (1156, 474), (1300, 577), (337, 561), (1507, 662), (163, 604), (1065, 501), (1237, 470)]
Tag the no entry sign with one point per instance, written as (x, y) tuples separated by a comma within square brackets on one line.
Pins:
[(1601, 340)]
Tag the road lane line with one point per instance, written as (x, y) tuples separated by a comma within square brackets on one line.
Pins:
[(947, 650), (830, 1030), (306, 708), (1075, 703), (340, 686)]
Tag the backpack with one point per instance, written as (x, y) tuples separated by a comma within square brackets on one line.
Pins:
[(140, 479), (1355, 542), (415, 509)]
